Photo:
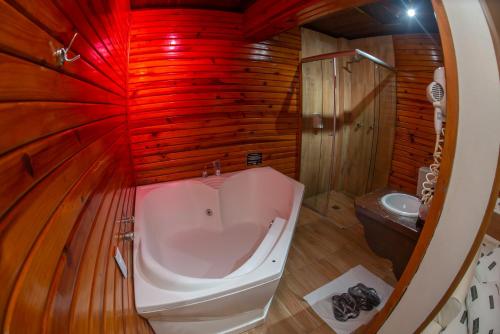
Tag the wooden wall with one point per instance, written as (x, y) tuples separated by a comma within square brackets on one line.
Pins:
[(416, 58), (226, 5), (198, 92), (64, 168), (265, 18)]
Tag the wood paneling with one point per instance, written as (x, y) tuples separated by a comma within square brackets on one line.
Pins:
[(265, 18), (416, 58), (198, 92), (378, 18), (226, 5), (65, 169)]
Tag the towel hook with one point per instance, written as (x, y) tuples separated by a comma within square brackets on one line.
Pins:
[(62, 53)]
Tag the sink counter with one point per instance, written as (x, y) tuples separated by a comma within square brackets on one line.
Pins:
[(389, 235), (371, 206)]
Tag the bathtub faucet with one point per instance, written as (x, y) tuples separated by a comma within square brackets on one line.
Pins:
[(205, 171), (216, 164)]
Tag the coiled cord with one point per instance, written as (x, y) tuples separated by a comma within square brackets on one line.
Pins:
[(431, 178)]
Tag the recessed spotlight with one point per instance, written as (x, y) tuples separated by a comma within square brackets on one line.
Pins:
[(411, 12)]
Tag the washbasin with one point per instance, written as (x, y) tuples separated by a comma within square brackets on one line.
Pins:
[(390, 235), (401, 204)]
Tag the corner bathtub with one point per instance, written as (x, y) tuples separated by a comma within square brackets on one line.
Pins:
[(209, 252)]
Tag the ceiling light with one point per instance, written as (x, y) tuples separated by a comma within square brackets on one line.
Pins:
[(411, 12)]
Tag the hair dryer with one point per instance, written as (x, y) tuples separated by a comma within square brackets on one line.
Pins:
[(437, 96)]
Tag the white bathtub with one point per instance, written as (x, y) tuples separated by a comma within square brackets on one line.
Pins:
[(209, 253)]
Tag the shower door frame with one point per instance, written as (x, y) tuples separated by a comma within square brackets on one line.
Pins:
[(348, 53)]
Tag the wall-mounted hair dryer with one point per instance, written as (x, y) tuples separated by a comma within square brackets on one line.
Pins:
[(436, 94)]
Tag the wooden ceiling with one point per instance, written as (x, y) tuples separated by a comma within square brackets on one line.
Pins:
[(386, 17), (226, 5)]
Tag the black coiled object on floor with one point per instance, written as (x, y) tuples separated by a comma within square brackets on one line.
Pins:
[(359, 297), (344, 307)]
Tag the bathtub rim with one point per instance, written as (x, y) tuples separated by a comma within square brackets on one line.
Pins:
[(150, 299)]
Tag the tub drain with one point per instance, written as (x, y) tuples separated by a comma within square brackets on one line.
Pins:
[(209, 212)]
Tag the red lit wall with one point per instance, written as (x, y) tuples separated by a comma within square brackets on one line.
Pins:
[(199, 92), (65, 170)]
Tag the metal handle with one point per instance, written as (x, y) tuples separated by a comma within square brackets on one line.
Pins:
[(126, 236), (216, 164), (126, 220)]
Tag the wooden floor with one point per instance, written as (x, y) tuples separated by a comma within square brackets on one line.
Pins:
[(320, 252), (336, 206)]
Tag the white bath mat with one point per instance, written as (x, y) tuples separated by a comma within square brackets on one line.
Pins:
[(321, 302)]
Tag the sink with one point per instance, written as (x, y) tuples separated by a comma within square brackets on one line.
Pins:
[(401, 204), (390, 235)]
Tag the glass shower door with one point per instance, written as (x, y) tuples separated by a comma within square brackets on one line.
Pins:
[(359, 124), (348, 124), (368, 127), (317, 133)]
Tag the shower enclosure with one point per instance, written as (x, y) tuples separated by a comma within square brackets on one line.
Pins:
[(348, 122)]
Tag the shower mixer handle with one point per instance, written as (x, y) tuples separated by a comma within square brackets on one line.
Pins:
[(126, 236), (216, 165)]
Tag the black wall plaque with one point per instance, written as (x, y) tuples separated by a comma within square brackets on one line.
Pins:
[(254, 158)]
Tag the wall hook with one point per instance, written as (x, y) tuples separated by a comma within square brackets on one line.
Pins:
[(62, 53)]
